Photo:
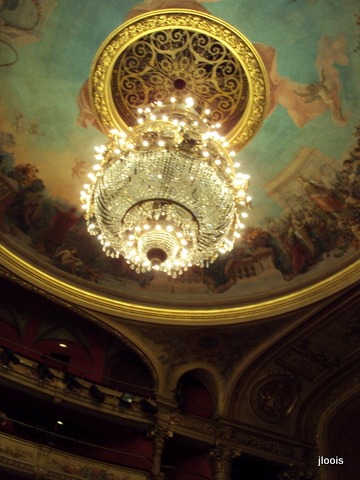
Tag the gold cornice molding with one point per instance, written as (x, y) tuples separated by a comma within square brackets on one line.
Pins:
[(88, 298), (102, 77)]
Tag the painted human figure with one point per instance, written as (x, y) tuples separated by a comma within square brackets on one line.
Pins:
[(69, 260), (328, 202), (61, 224)]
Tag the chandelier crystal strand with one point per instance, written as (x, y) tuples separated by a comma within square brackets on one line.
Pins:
[(167, 195)]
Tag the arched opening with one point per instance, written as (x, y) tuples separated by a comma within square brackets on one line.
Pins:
[(193, 393), (127, 372), (339, 452)]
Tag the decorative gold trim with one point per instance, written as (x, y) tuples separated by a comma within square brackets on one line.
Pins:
[(160, 20), (93, 301)]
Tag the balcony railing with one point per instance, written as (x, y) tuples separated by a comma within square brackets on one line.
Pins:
[(41, 460), (62, 386)]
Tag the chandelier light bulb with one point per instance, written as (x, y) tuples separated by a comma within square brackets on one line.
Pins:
[(189, 102), (166, 196)]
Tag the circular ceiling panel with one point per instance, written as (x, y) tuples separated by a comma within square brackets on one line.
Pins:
[(181, 53), (183, 63)]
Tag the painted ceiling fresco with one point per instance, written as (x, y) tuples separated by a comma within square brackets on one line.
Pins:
[(304, 163)]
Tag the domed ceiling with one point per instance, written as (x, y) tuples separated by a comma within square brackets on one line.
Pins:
[(301, 239)]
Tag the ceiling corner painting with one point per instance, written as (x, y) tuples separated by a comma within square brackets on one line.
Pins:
[(301, 238)]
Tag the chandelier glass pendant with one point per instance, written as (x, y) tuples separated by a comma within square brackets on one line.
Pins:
[(167, 194)]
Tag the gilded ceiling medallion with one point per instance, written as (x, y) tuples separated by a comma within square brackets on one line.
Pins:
[(181, 53), (274, 396)]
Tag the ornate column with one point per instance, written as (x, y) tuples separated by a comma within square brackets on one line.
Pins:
[(41, 467), (159, 435), (221, 458)]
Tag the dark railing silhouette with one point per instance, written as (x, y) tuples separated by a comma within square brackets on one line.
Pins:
[(83, 373), (43, 369)]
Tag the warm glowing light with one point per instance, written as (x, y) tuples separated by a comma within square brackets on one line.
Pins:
[(166, 196)]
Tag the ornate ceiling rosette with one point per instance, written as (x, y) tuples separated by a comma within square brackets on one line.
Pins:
[(181, 53)]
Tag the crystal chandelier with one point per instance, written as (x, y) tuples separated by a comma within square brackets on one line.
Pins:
[(166, 194)]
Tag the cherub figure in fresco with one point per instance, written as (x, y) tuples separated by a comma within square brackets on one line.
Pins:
[(322, 91), (306, 102), (79, 168), (34, 128), (68, 260)]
